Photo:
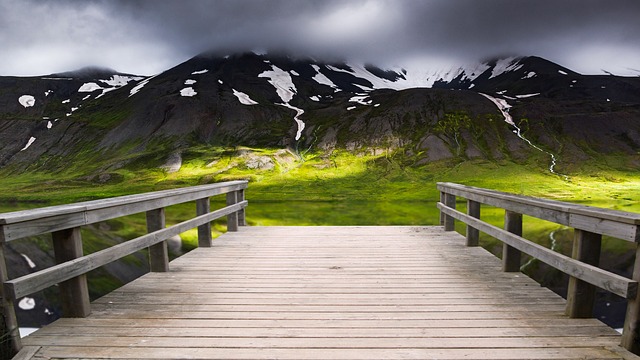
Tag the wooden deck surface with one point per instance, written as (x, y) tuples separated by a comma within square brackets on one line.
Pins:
[(330, 293)]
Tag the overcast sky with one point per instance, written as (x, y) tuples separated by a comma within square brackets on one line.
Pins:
[(148, 36)]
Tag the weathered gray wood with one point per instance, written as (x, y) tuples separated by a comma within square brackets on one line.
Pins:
[(631, 329), (619, 224), (158, 253), (232, 218), (8, 309), (616, 284), (473, 235), (74, 291), (203, 206), (297, 293), (581, 296), (44, 278), (242, 221), (510, 255), (27, 353), (25, 223), (442, 200), (449, 222)]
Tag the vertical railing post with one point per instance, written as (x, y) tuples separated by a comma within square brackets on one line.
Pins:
[(10, 319), (581, 296), (631, 329), (242, 221), (158, 253), (232, 219), (510, 255), (74, 293), (203, 206), (442, 201), (473, 235), (449, 221)]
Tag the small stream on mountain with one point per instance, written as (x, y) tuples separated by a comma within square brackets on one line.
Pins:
[(504, 107)]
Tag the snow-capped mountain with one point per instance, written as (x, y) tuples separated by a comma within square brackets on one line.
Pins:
[(299, 103)]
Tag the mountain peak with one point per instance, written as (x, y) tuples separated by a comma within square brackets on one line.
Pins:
[(89, 72)]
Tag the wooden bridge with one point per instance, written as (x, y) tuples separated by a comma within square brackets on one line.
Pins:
[(392, 292)]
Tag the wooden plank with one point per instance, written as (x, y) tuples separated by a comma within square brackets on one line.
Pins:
[(473, 235), (330, 296), (323, 332), (42, 279), (203, 206), (510, 255), (581, 296), (616, 284), (318, 354)]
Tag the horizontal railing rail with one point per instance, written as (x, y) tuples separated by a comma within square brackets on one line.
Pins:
[(64, 222), (589, 224)]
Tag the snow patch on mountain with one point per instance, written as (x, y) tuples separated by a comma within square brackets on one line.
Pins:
[(282, 81), (31, 140), (244, 98), (526, 95), (293, 72), (119, 80), (529, 75), (286, 89), (314, 98), (49, 125), (189, 82), (30, 262), (322, 79), (361, 99), (505, 65), (66, 101), (562, 72), (27, 100), (188, 92), (89, 87), (199, 72), (48, 92)]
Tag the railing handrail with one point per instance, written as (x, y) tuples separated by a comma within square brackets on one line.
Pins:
[(24, 223), (64, 222), (619, 224), (590, 223)]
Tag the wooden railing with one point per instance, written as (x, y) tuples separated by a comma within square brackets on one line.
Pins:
[(589, 225), (64, 223)]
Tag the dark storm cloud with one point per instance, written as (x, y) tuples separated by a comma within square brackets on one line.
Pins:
[(147, 36)]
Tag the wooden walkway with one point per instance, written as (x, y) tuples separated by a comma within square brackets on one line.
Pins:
[(330, 293)]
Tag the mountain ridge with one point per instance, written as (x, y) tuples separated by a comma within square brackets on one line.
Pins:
[(298, 103)]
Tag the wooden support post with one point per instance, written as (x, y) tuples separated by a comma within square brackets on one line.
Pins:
[(232, 219), (631, 329), (10, 319), (203, 206), (581, 296), (449, 221), (442, 200), (74, 293), (158, 253), (473, 235), (242, 221), (511, 256)]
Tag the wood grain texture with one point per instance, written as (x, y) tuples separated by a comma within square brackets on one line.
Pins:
[(331, 293)]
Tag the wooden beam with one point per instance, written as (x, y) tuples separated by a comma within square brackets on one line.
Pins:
[(616, 284), (9, 311), (581, 296), (618, 224), (473, 235), (25, 223), (74, 292), (449, 222), (158, 253), (42, 279), (242, 221), (203, 206), (631, 329), (232, 218), (510, 255)]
